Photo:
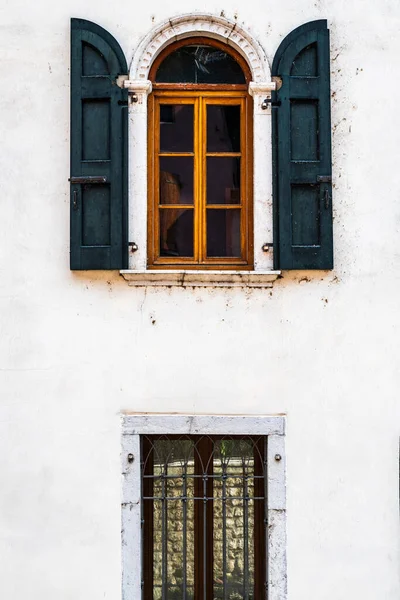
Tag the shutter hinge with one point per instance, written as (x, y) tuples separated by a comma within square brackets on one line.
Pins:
[(88, 179), (265, 247), (268, 101)]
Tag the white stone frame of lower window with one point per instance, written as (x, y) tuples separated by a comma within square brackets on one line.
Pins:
[(133, 426), (139, 86)]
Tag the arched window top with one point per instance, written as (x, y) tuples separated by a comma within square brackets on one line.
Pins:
[(200, 61), (200, 157), (200, 193)]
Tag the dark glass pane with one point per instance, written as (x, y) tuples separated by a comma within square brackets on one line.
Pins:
[(223, 180), (223, 232), (176, 127), (223, 128), (199, 64), (176, 180), (176, 232)]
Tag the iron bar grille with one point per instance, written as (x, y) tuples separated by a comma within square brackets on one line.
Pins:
[(204, 517)]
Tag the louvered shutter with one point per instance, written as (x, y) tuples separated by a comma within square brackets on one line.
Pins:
[(301, 130), (99, 148)]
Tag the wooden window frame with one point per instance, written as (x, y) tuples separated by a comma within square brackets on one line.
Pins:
[(201, 95)]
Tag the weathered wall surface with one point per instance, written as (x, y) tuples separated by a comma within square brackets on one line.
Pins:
[(79, 348)]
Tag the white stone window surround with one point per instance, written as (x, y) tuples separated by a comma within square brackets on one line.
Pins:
[(134, 425), (260, 88)]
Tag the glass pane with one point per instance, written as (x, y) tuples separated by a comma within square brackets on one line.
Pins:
[(199, 64), (176, 180), (223, 128), (223, 232), (223, 180), (176, 127), (176, 232), (233, 468), (173, 519)]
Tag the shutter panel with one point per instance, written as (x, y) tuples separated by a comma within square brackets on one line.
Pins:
[(99, 150), (301, 135)]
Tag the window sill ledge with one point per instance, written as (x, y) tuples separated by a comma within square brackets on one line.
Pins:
[(189, 278)]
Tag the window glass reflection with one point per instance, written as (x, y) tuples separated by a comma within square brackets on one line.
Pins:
[(176, 127), (223, 232), (199, 64), (176, 180), (223, 128), (176, 232), (223, 180)]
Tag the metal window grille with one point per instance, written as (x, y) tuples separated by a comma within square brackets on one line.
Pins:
[(204, 517)]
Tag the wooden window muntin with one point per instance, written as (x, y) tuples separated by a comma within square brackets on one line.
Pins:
[(201, 95)]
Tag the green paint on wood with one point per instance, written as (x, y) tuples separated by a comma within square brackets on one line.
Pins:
[(99, 147), (301, 135)]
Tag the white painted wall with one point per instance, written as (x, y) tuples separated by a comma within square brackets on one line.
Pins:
[(78, 348)]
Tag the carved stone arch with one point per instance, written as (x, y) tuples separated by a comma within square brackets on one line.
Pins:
[(205, 25), (260, 88)]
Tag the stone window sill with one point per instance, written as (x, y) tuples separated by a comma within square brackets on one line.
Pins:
[(191, 278)]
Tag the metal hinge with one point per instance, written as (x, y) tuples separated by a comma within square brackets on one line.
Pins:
[(265, 247), (267, 101), (88, 179)]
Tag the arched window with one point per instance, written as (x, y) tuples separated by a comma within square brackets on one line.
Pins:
[(200, 157), (198, 199)]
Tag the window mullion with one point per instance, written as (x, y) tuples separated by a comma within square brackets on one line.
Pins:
[(201, 178), (204, 517)]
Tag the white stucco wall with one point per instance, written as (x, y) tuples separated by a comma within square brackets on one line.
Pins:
[(78, 348)]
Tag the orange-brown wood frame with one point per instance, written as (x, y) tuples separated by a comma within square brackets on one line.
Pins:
[(201, 95), (200, 100)]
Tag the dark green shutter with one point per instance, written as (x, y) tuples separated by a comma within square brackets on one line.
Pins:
[(99, 150), (301, 135)]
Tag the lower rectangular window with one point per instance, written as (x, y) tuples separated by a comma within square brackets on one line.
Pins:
[(204, 516)]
